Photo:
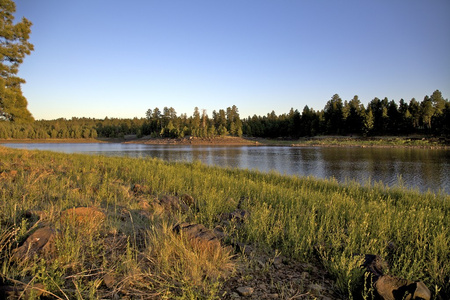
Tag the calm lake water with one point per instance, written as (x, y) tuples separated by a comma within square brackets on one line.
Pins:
[(423, 169)]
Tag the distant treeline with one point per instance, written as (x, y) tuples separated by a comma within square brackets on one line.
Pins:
[(380, 117)]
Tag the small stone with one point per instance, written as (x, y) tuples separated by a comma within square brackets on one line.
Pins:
[(245, 291), (109, 280)]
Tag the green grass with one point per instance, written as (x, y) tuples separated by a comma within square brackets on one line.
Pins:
[(302, 218)]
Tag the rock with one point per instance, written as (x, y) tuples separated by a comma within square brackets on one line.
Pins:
[(144, 205), (138, 189), (188, 200), (86, 217), (197, 231), (390, 287), (278, 262), (394, 288), (172, 203), (238, 215), (219, 232), (109, 280), (41, 242), (22, 291), (375, 265), (245, 291)]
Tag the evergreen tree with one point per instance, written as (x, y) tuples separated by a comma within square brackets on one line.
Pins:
[(356, 116), (394, 118), (334, 115), (14, 46), (414, 109), (426, 111)]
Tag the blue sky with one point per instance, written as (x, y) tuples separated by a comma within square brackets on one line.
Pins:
[(101, 58)]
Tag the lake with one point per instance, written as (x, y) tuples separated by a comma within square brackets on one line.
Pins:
[(423, 169)]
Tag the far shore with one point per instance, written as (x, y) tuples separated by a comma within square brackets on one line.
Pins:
[(322, 141)]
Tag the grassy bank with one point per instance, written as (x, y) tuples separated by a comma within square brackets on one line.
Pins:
[(325, 141), (338, 141), (304, 220)]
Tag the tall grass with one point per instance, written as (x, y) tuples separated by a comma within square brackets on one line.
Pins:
[(303, 218)]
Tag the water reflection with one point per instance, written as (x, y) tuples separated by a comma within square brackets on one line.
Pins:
[(419, 168)]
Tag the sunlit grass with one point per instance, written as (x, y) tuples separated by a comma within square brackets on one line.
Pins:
[(303, 218)]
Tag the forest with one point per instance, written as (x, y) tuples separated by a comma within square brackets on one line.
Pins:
[(430, 117), (380, 117)]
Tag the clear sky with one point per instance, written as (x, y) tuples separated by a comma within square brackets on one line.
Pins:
[(98, 58)]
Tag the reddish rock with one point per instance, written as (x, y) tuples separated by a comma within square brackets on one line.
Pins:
[(89, 218), (41, 242), (393, 288)]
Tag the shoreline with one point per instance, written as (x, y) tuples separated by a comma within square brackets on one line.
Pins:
[(320, 141), (121, 205)]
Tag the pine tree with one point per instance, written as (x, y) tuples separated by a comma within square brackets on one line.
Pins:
[(14, 46)]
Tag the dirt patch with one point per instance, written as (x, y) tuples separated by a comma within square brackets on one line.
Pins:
[(261, 276)]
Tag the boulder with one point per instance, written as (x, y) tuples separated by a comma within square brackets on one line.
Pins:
[(41, 243), (197, 231), (394, 288)]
